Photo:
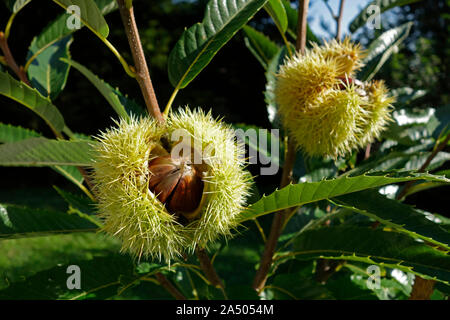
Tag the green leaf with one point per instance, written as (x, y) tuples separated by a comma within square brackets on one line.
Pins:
[(258, 147), (77, 202), (114, 97), (10, 133), (32, 99), (382, 48), (439, 123), (57, 29), (37, 152), (384, 5), (298, 287), (260, 46), (405, 95), (388, 249), (71, 173), (307, 192), (16, 5), (269, 93), (90, 15), (276, 10), (394, 214), (20, 222), (100, 279), (47, 73), (198, 44)]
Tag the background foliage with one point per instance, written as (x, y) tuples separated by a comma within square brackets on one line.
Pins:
[(37, 238)]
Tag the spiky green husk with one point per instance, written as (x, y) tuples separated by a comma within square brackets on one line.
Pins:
[(325, 114), (377, 115), (133, 213), (226, 183), (337, 111), (346, 54)]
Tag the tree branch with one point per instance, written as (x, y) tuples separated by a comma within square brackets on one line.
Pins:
[(9, 59), (422, 289), (142, 73), (166, 284), (279, 217), (330, 9), (339, 20), (208, 268)]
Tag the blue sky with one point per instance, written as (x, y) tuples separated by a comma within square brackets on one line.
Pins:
[(318, 8)]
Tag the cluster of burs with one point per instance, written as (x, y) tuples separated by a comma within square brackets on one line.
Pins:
[(324, 107), (162, 204)]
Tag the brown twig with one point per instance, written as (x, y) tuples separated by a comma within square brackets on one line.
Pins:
[(339, 20), (208, 268), (279, 217), (166, 284), (330, 9), (210, 271), (367, 152), (10, 61), (422, 289), (301, 27), (141, 68)]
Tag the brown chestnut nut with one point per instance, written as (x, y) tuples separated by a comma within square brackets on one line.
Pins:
[(178, 184)]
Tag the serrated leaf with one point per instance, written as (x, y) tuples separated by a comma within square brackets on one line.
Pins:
[(38, 152), (47, 73), (198, 44), (383, 6), (89, 14), (388, 249), (307, 192), (276, 10), (19, 222), (113, 96), (32, 99), (382, 48), (395, 214), (390, 160), (260, 46), (10, 133)]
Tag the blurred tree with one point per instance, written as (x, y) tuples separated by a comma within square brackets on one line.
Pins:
[(423, 59)]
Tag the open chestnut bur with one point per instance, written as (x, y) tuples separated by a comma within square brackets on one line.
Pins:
[(164, 189)]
